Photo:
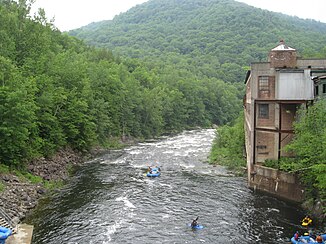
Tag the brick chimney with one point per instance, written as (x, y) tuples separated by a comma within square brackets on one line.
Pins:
[(283, 56)]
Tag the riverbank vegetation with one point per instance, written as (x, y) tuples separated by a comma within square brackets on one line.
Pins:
[(181, 67), (57, 92), (309, 148), (228, 146), (208, 38), (60, 98)]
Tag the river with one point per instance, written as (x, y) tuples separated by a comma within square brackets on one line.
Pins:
[(110, 200)]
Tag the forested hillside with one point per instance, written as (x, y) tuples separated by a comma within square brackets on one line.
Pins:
[(207, 46), (210, 38), (57, 92), (174, 65)]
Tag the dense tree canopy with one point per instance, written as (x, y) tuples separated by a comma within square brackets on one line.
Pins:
[(211, 38), (57, 92), (161, 67)]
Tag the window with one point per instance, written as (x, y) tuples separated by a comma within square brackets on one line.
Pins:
[(324, 88), (263, 87), (263, 84), (263, 111), (317, 90)]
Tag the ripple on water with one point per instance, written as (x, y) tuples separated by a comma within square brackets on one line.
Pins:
[(111, 201)]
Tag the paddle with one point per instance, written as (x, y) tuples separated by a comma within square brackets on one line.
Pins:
[(195, 225), (194, 222)]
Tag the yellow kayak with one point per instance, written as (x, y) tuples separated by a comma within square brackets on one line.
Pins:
[(306, 221)]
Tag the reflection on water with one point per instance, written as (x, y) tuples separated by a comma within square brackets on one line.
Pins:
[(111, 201)]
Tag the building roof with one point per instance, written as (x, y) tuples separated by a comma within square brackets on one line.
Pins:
[(283, 47)]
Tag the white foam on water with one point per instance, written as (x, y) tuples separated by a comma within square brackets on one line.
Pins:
[(135, 148), (167, 185), (180, 154), (135, 152), (117, 161), (138, 180), (125, 200), (187, 166), (223, 222), (166, 216), (273, 210), (111, 229)]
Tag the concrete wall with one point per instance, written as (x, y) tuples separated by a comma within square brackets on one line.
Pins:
[(280, 184), (313, 63)]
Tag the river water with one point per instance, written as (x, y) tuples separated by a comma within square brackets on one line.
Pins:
[(110, 200)]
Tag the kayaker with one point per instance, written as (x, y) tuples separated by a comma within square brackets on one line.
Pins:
[(319, 239), (296, 236), (306, 221), (194, 222)]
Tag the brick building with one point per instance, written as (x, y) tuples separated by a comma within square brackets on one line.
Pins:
[(274, 92)]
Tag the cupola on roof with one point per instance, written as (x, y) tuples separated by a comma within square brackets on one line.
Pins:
[(283, 47)]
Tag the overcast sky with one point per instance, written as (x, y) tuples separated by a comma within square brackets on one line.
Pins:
[(71, 14)]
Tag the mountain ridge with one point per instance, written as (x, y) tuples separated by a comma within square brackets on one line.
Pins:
[(205, 33)]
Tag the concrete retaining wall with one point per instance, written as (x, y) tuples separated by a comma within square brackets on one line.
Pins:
[(278, 183)]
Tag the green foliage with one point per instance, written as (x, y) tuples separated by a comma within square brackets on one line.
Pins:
[(272, 163), (197, 48), (57, 92), (114, 143), (310, 133), (287, 164), (53, 184), (228, 146), (181, 65), (208, 38), (17, 108), (309, 146), (4, 169), (2, 187), (33, 178), (26, 176)]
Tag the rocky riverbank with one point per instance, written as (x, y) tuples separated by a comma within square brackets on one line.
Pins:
[(20, 195)]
